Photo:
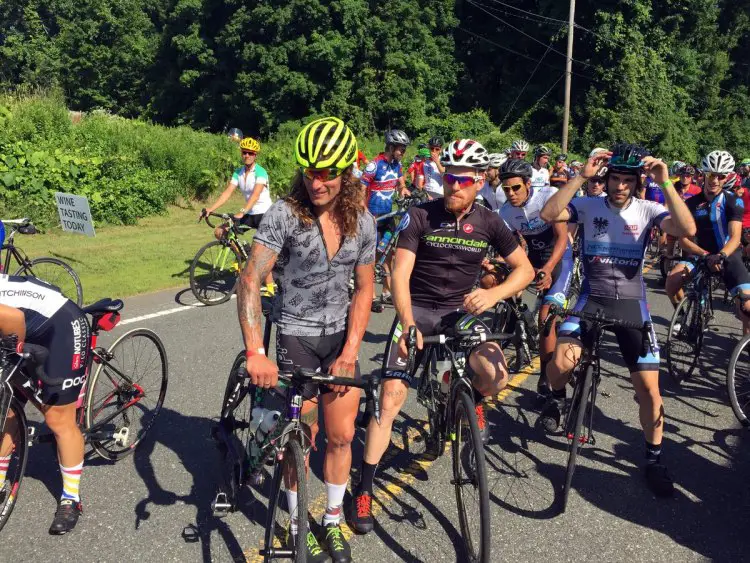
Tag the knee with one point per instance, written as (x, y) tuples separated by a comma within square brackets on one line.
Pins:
[(61, 422), (340, 438), (218, 232)]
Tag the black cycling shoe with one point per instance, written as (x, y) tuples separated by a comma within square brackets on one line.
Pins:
[(543, 390), (66, 517), (549, 419), (659, 480), (336, 544), (361, 514), (315, 553)]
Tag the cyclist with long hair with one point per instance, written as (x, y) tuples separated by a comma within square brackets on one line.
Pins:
[(315, 238)]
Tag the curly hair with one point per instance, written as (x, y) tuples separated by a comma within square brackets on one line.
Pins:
[(350, 202)]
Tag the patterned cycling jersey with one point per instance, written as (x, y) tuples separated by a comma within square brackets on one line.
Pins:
[(381, 178), (712, 219), (653, 192), (539, 236), (614, 244), (37, 300), (449, 253)]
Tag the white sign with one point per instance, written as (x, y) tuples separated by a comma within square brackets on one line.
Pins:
[(75, 215)]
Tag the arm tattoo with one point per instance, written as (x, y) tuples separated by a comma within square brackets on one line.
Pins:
[(259, 265)]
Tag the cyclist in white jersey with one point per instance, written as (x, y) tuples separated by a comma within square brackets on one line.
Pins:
[(615, 234), (540, 175), (433, 170), (252, 180)]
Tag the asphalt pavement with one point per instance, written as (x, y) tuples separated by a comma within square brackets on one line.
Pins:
[(155, 504)]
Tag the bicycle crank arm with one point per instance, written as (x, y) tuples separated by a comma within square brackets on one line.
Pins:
[(272, 552), (462, 482), (110, 432)]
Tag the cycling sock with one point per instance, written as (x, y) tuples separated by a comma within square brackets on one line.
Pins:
[(478, 397), (271, 289), (368, 476), (543, 369), (291, 501), (653, 453), (335, 494), (559, 394), (4, 464), (71, 480)]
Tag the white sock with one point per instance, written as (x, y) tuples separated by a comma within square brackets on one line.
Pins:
[(291, 501), (4, 465), (335, 494)]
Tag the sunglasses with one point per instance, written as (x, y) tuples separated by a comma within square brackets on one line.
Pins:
[(251, 153), (322, 174), (462, 181), (597, 180), (711, 176), (514, 188)]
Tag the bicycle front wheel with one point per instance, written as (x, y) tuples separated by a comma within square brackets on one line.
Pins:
[(126, 393), (278, 527), (684, 340), (574, 427), (214, 273), (14, 432), (470, 480), (738, 380), (55, 272)]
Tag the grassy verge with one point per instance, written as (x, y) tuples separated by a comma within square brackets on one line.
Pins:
[(127, 260)]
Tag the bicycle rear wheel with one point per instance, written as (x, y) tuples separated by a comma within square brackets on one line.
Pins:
[(470, 480), (573, 427), (214, 273), (55, 272), (126, 393), (738, 380), (15, 431), (292, 467), (684, 340)]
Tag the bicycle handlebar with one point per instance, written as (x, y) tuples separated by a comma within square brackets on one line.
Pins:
[(224, 216)]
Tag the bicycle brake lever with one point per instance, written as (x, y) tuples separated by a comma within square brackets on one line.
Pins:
[(411, 346), (647, 345), (548, 322)]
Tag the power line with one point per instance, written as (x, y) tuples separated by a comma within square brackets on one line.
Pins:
[(530, 13), (546, 21), (556, 67), (523, 32), (524, 86)]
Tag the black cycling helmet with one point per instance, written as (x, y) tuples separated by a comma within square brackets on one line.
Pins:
[(435, 142), (397, 137), (627, 158), (686, 170), (421, 146), (541, 150), (562, 157), (516, 167)]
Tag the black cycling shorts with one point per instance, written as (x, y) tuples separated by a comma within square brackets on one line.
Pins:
[(430, 322), (745, 236), (733, 272), (630, 340), (251, 221), (67, 337), (315, 353)]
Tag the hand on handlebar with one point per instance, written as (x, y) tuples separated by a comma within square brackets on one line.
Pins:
[(342, 367), (262, 371), (239, 215), (403, 349), (204, 213), (714, 262), (543, 279)]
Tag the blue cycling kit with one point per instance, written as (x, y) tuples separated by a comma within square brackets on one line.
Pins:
[(381, 178), (653, 191)]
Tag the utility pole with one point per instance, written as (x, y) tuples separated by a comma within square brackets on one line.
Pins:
[(568, 74)]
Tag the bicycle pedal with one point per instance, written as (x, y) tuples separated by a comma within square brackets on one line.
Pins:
[(221, 506), (122, 436), (31, 436)]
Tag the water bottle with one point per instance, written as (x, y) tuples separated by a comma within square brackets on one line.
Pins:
[(443, 368), (385, 239)]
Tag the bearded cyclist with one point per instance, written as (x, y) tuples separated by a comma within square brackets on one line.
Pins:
[(382, 178), (548, 247), (315, 239), (540, 167), (440, 250), (519, 149), (615, 234), (433, 169), (560, 173), (718, 217)]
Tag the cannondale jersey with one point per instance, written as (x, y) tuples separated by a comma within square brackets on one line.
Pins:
[(614, 244)]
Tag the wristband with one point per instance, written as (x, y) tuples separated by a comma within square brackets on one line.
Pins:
[(667, 184), (723, 255), (250, 353)]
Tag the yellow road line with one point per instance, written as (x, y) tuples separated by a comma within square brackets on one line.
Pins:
[(405, 477)]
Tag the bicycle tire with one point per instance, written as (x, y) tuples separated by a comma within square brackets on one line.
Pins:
[(114, 387), (577, 412), (17, 467), (295, 457), (210, 283), (688, 336), (464, 410), (740, 404), (35, 269)]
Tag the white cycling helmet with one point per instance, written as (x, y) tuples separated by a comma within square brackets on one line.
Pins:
[(507, 151), (497, 159), (520, 145), (718, 162), (465, 152), (596, 151)]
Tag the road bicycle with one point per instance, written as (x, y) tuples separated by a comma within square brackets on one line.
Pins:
[(50, 270), (578, 425), (117, 405), (738, 381), (216, 267), (451, 415), (689, 323), (251, 452)]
